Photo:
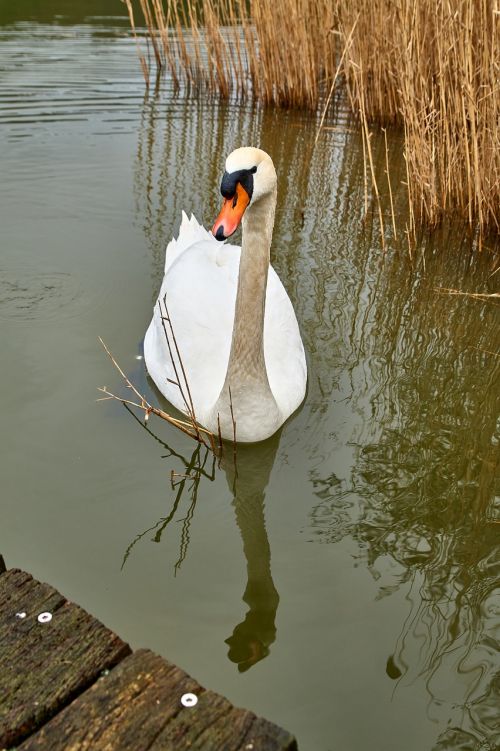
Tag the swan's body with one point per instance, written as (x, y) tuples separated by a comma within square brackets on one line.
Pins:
[(235, 329)]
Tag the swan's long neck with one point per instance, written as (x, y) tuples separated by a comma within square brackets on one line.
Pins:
[(246, 359), (246, 383)]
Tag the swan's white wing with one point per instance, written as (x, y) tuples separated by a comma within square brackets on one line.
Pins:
[(200, 287), (200, 283)]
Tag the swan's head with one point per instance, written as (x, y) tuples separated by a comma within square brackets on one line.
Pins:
[(249, 176)]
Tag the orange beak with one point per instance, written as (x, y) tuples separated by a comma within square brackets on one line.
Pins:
[(231, 214)]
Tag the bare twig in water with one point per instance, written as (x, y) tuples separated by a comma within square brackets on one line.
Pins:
[(475, 295), (209, 475), (188, 401), (191, 428), (488, 351)]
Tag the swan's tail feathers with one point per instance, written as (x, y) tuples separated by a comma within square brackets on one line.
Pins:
[(197, 230), (171, 253), (190, 232)]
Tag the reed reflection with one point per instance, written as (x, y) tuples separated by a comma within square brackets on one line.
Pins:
[(419, 495)]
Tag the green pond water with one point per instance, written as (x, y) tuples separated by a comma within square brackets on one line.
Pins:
[(346, 584)]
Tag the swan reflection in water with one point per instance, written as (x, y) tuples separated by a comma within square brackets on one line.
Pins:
[(252, 638), (247, 476)]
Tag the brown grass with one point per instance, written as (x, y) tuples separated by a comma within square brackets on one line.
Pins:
[(430, 66)]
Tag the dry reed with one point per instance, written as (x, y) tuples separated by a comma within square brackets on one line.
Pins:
[(433, 66), (430, 66)]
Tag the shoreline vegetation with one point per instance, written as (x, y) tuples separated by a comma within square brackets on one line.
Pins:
[(429, 67)]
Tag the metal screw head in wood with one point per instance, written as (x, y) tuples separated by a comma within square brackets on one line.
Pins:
[(44, 617), (189, 700)]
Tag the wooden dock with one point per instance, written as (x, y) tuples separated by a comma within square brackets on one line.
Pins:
[(68, 683)]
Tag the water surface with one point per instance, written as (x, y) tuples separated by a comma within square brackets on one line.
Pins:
[(345, 584)]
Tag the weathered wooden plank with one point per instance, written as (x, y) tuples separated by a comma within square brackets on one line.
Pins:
[(43, 666), (137, 707)]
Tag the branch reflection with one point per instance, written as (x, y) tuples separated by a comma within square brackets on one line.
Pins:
[(187, 482)]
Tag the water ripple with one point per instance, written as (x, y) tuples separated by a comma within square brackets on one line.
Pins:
[(52, 75), (37, 296)]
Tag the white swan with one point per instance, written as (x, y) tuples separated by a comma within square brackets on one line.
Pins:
[(233, 321)]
